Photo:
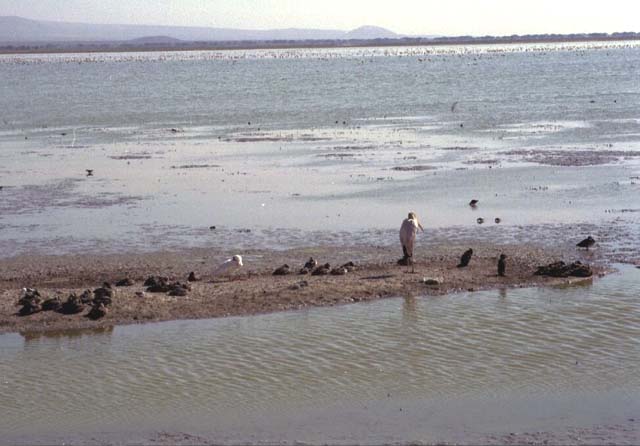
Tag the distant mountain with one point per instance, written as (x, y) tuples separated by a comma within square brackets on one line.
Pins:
[(17, 29), (371, 32)]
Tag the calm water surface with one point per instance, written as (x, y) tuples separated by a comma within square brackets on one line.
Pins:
[(310, 140), (528, 358)]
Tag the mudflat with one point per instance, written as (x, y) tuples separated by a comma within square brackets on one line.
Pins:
[(254, 289)]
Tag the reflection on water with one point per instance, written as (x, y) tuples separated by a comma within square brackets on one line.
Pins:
[(64, 335), (525, 343)]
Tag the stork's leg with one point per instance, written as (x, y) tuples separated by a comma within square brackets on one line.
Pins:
[(404, 251)]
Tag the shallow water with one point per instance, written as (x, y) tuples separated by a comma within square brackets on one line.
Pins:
[(295, 142), (459, 365)]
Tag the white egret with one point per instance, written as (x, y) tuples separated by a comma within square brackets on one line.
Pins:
[(229, 266)]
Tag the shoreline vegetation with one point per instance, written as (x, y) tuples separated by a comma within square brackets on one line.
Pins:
[(254, 289), (166, 44)]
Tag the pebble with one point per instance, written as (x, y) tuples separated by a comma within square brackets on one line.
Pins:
[(431, 281)]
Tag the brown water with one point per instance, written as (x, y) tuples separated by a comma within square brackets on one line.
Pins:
[(398, 370)]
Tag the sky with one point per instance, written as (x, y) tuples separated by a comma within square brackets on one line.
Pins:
[(411, 17)]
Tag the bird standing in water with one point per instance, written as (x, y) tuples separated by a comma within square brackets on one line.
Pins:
[(587, 243), (408, 231)]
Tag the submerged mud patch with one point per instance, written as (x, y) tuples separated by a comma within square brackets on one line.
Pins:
[(418, 168), (58, 194), (574, 158)]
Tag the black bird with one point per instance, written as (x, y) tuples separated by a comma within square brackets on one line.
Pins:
[(322, 270), (497, 220), (502, 265), (311, 263), (586, 243), (466, 257), (473, 203), (89, 172), (480, 220)]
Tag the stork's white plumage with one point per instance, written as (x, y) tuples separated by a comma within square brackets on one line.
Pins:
[(408, 232), (229, 266)]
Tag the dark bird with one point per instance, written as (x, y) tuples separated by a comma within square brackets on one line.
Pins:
[(340, 271), (311, 263), (466, 257), (89, 172), (473, 203), (502, 265), (97, 311), (480, 220), (497, 220), (282, 271), (586, 243), (322, 270), (349, 266)]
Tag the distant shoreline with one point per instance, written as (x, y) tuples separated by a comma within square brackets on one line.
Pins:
[(129, 47)]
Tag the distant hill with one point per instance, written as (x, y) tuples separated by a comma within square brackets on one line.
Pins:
[(17, 29), (370, 33)]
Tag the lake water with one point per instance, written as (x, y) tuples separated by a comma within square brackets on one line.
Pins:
[(290, 142), (397, 370)]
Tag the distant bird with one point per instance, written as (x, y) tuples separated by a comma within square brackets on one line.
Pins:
[(497, 220), (89, 172), (322, 270), (480, 220), (311, 263), (349, 266), (339, 271), (453, 106), (282, 271), (408, 230), (229, 266), (473, 203), (586, 243), (466, 257), (502, 265)]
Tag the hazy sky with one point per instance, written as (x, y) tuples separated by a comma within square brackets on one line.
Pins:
[(446, 17)]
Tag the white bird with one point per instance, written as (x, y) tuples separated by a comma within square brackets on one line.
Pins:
[(229, 266), (408, 231)]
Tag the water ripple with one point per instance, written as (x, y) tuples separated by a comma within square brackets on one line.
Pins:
[(483, 345)]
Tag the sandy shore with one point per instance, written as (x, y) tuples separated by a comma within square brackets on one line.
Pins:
[(254, 290)]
